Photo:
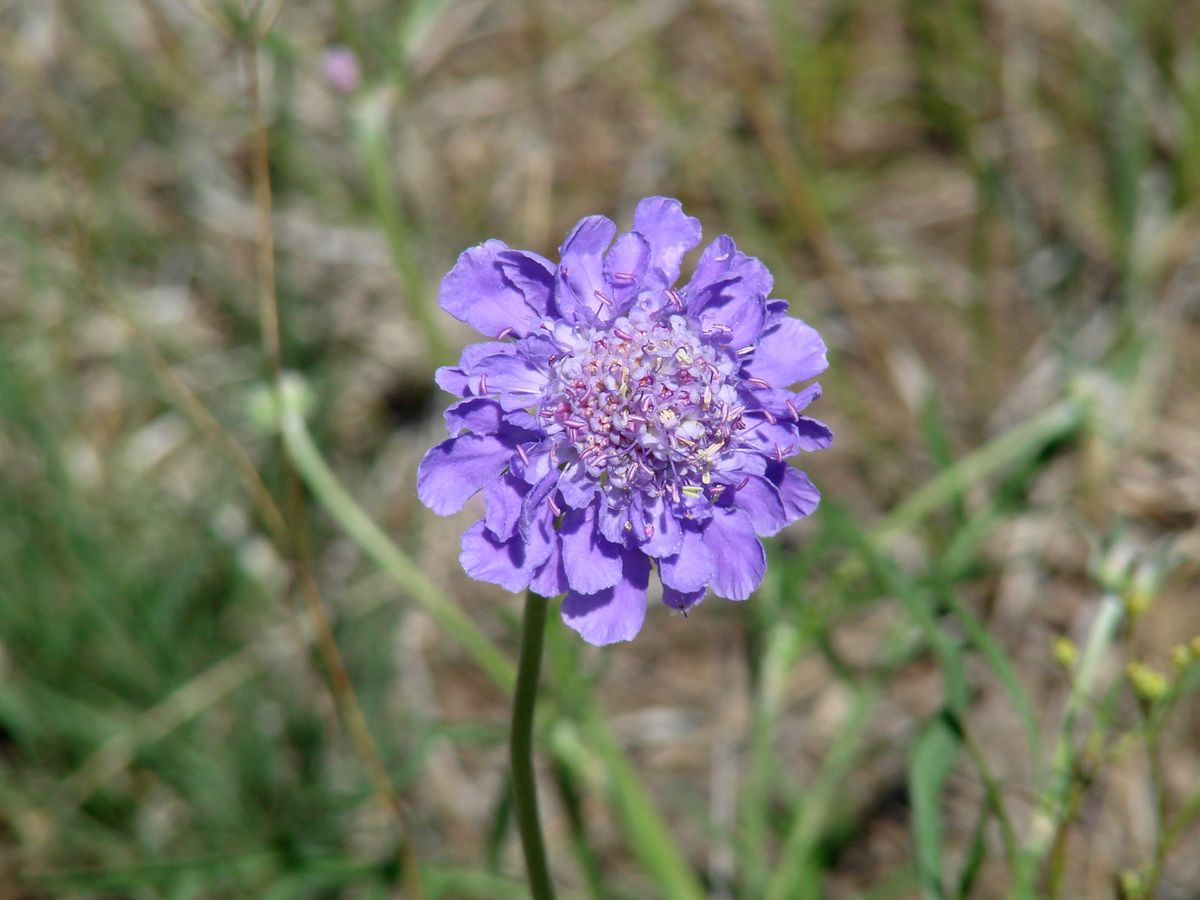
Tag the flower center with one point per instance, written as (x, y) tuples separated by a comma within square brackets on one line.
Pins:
[(645, 405)]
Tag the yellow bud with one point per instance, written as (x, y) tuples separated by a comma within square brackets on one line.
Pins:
[(1148, 683), (1137, 602), (1065, 652), (1194, 645), (1181, 656)]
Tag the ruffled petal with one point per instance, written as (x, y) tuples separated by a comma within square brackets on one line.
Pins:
[(455, 469), (477, 292), (487, 558), (782, 404), (669, 233), (456, 379), (612, 522), (591, 562), (782, 438), (682, 600), (533, 462), (759, 499), (738, 557), (655, 527), (502, 498), (800, 496), (692, 568), (530, 274), (580, 291), (514, 381), (727, 294), (614, 614), (625, 267), (788, 352), (550, 579), (475, 414), (812, 434), (536, 503), (577, 487)]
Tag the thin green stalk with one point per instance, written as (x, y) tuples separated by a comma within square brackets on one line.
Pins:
[(1184, 820), (822, 797), (338, 502), (783, 647), (520, 748), (1059, 420), (371, 124), (1049, 824)]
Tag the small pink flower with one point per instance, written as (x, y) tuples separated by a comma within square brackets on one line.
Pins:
[(341, 69)]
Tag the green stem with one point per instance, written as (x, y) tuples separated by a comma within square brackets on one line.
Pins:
[(1055, 816), (366, 534), (521, 748)]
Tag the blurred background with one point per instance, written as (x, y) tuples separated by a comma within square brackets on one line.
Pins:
[(968, 672)]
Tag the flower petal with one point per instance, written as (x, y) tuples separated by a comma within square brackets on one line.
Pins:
[(591, 562), (530, 274), (455, 469), (783, 438), (474, 414), (655, 527), (456, 379), (487, 558), (514, 381), (682, 600), (738, 557), (550, 579), (691, 569), (580, 284), (812, 434), (727, 294), (612, 520), (670, 233), (616, 613), (625, 266), (800, 497), (578, 488), (759, 499), (503, 498), (536, 503), (476, 292), (786, 353)]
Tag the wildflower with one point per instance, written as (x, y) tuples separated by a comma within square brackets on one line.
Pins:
[(618, 424), (341, 69), (1148, 683), (1066, 653)]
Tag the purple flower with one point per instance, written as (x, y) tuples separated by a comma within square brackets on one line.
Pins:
[(341, 69), (617, 424)]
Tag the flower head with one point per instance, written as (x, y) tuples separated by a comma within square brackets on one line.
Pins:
[(616, 423)]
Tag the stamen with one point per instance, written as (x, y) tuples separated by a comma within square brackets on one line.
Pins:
[(792, 409), (757, 382), (505, 333), (521, 453), (599, 295), (553, 506), (483, 384)]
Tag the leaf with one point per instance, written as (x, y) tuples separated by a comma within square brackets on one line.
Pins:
[(931, 760)]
